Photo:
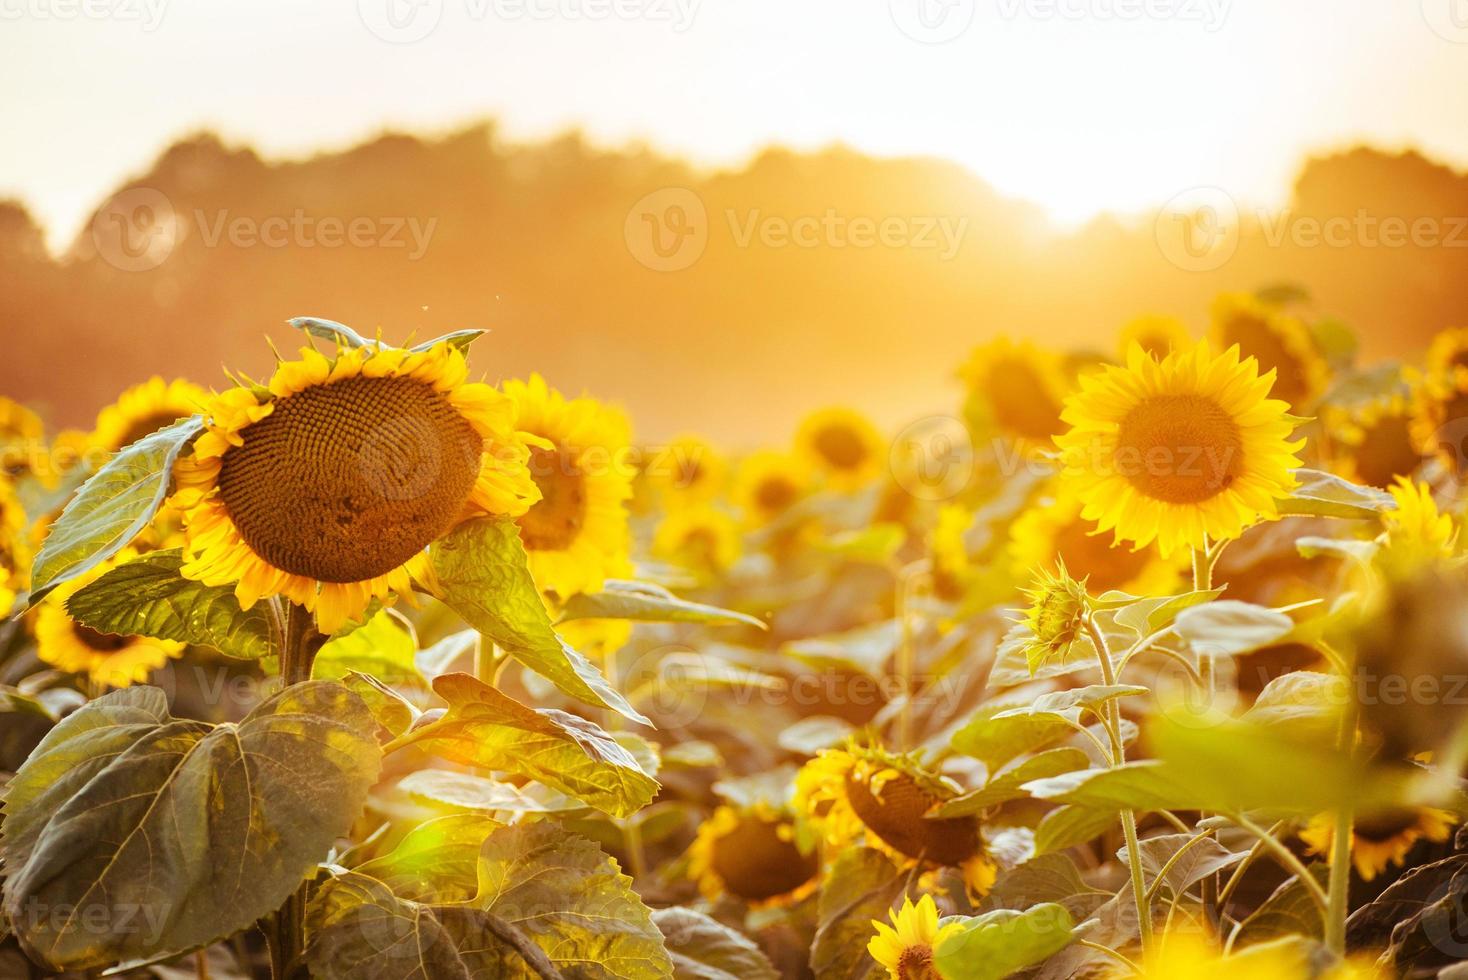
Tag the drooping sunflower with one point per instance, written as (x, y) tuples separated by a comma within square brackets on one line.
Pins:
[(1053, 531), (21, 440), (688, 470), (1156, 334), (752, 853), (1018, 389), (704, 540), (906, 946), (1278, 341), (1382, 840), (576, 533), (106, 659), (843, 445), (1448, 352), (1373, 442), (864, 791), (144, 409), (1179, 450), (1056, 615), (768, 483), (327, 485)]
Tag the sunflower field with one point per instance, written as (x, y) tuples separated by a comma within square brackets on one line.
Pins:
[(1149, 662)]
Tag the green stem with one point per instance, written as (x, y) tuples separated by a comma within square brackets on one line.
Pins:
[(1128, 817), (1285, 857), (1207, 680), (1339, 882)]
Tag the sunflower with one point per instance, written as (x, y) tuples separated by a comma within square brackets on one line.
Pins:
[(576, 534), (687, 470), (1374, 442), (1440, 418), (1156, 334), (702, 539), (752, 853), (866, 791), (1178, 451), (906, 947), (768, 483), (327, 485), (144, 409), (1383, 840), (14, 555), (107, 659), (1277, 341), (596, 638), (1448, 352), (1052, 531), (22, 437), (1180, 955), (948, 545), (1416, 532), (1017, 388), (1055, 616), (843, 445)]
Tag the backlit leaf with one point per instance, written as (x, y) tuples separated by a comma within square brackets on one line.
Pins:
[(1007, 785), (705, 949), (1003, 942), (384, 648), (1227, 627), (111, 508), (323, 329), (148, 597), (1327, 495), (648, 602)]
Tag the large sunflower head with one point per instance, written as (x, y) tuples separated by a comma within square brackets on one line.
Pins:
[(1381, 840), (327, 485), (1017, 389), (1373, 442), (1417, 533), (865, 791), (1156, 334), (1052, 532), (906, 946), (843, 445), (704, 540), (144, 409), (106, 659), (688, 470), (768, 483), (752, 853), (22, 438), (1277, 341), (1180, 450), (580, 459)]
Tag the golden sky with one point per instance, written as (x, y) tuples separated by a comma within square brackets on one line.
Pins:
[(1079, 105)]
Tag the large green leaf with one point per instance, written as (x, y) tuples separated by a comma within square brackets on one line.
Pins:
[(996, 735), (485, 577), (190, 832), (148, 597), (111, 508), (705, 949), (466, 791), (650, 603), (1003, 942), (436, 861), (490, 730), (554, 895), (1067, 826), (1092, 698), (1228, 628), (1045, 878), (1202, 858), (1147, 616), (1327, 495), (1007, 785)]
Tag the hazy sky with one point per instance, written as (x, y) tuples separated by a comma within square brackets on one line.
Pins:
[(1079, 105)]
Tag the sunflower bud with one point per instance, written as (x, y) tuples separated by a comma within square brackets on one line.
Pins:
[(1056, 615)]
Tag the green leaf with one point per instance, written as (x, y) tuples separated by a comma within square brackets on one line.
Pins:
[(1327, 495), (1092, 698), (1067, 826), (485, 577), (1201, 859), (860, 887), (111, 508), (1305, 703), (646, 602), (392, 711), (465, 791), (337, 333), (1227, 627), (1146, 616), (192, 830), (1145, 785), (384, 648), (705, 949), (458, 338), (1003, 942), (1006, 785), (148, 597), (1045, 878), (1312, 546), (487, 729), (995, 736), (865, 650), (1289, 910), (810, 735), (436, 861)]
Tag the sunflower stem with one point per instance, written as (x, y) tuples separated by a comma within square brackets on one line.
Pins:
[(1112, 723), (1338, 885), (1207, 680)]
